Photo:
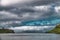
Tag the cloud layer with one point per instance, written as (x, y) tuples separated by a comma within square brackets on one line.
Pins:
[(32, 28), (14, 12), (30, 12)]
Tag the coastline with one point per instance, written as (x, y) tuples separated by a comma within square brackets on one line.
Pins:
[(56, 30)]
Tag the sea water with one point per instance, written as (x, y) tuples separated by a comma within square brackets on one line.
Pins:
[(29, 36)]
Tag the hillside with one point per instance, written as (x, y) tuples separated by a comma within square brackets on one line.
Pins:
[(6, 31), (56, 30)]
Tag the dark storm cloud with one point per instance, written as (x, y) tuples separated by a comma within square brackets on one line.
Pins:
[(28, 10), (6, 8), (43, 2), (32, 12)]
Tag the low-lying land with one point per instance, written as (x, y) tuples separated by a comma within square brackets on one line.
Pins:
[(6, 31)]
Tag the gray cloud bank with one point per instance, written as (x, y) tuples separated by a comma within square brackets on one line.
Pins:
[(20, 10)]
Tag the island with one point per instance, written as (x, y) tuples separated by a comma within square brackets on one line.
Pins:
[(56, 30), (6, 31)]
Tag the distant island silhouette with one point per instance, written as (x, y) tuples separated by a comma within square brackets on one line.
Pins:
[(3, 30)]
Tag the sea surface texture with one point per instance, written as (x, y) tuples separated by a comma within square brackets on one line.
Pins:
[(29, 36)]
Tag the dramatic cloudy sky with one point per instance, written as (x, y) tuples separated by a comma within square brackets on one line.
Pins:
[(17, 11)]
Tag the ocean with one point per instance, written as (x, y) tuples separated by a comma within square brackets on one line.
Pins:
[(29, 36)]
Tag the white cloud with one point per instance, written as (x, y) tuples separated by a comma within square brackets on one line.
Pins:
[(26, 15), (12, 2), (9, 15), (57, 9), (9, 23), (31, 28), (26, 28), (42, 8)]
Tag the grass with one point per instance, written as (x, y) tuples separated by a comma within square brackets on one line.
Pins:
[(56, 30)]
